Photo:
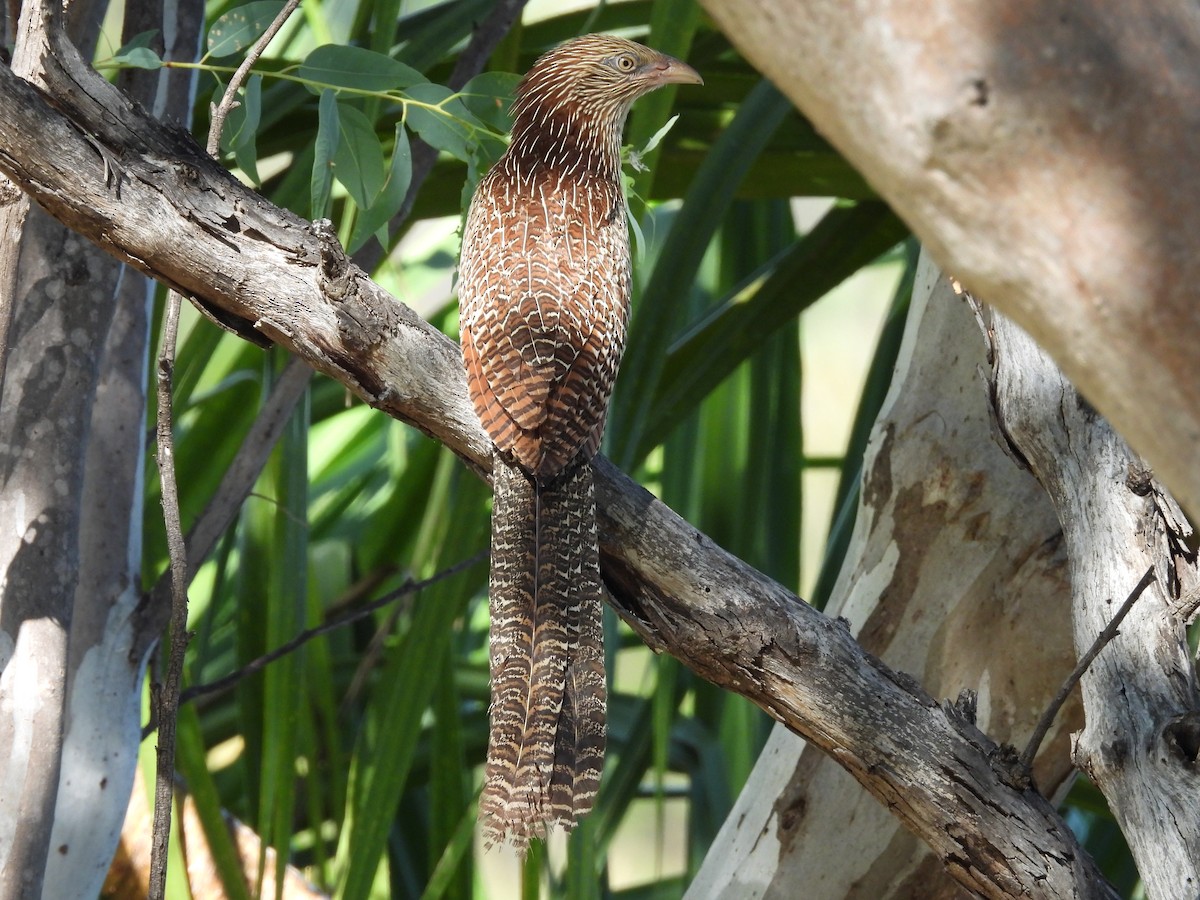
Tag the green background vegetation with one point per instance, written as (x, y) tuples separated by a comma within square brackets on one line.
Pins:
[(760, 351)]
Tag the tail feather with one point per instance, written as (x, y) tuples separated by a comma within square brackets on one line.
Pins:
[(547, 660), (510, 594), (580, 740)]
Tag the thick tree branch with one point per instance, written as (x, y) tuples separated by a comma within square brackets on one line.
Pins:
[(174, 214), (1141, 697), (1045, 153)]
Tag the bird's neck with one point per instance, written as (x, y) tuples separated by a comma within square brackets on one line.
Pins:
[(566, 140)]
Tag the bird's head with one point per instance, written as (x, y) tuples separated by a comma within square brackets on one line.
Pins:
[(587, 85)]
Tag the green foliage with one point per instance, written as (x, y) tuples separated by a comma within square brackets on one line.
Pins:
[(359, 755), (241, 26)]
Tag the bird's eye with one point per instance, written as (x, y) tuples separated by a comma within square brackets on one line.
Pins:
[(625, 63)]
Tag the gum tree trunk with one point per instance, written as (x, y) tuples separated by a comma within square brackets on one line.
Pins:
[(1044, 152), (956, 573), (73, 337)]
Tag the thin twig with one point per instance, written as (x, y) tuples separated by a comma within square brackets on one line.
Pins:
[(229, 98), (167, 696), (1109, 632), (405, 590), (252, 454)]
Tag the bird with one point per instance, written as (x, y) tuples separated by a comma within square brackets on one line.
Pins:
[(544, 283)]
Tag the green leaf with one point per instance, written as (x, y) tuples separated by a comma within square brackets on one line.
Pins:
[(136, 54), (489, 98), (335, 66), (241, 27), (241, 128), (843, 242), (387, 743), (657, 137), (448, 865), (189, 758), (328, 132), (140, 58), (659, 311), (448, 126), (390, 199), (639, 239), (284, 697), (358, 162), (452, 803)]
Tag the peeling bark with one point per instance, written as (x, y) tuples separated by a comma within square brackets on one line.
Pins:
[(73, 407), (58, 311), (956, 571)]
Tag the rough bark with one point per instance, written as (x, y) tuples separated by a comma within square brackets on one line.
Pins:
[(956, 572), (925, 761), (1045, 153), (1141, 698)]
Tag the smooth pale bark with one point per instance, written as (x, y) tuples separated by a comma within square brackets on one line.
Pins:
[(1141, 698), (1045, 152), (58, 307), (180, 217), (957, 573), (74, 408)]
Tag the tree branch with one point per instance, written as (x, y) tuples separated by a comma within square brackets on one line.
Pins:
[(180, 217), (1044, 153), (1141, 696), (1102, 640)]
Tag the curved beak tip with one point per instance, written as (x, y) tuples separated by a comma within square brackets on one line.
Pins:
[(678, 72)]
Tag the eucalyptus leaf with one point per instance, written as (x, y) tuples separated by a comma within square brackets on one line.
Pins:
[(241, 27), (355, 68), (391, 197), (137, 54), (441, 119), (241, 128), (489, 98), (358, 162), (140, 58), (326, 145)]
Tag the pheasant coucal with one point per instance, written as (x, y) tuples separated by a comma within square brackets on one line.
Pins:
[(544, 284)]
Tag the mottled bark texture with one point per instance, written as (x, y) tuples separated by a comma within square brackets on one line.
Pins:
[(956, 572), (72, 410), (1141, 699), (1045, 154)]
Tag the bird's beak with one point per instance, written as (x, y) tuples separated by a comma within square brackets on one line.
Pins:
[(669, 70)]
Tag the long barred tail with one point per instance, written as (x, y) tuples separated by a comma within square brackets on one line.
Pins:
[(546, 745)]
